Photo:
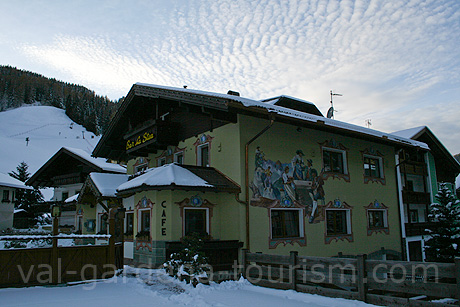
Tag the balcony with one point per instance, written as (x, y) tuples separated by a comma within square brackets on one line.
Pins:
[(410, 197), (221, 254), (417, 229)]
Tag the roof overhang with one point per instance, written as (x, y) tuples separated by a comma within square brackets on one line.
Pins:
[(167, 115)]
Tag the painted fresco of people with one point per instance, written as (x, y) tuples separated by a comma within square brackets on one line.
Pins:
[(297, 165), (288, 182), (316, 190), (259, 159)]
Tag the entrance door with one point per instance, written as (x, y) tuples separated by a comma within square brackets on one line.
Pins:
[(415, 251)]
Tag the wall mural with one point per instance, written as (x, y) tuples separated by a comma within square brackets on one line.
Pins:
[(293, 184)]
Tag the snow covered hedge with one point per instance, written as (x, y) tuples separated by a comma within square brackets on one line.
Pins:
[(189, 264)]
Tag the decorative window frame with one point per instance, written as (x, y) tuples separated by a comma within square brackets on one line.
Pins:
[(301, 240), (196, 202), (160, 161), (169, 155), (202, 141), (141, 165), (276, 204), (377, 206), (177, 154), (337, 204), (145, 204), (184, 211), (333, 146), (374, 154)]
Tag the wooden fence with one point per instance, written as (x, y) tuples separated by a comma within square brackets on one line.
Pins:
[(389, 283), (57, 264)]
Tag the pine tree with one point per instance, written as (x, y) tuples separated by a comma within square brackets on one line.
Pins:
[(25, 199), (444, 244)]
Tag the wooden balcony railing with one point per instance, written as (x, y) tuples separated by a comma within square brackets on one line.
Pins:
[(417, 229), (410, 197)]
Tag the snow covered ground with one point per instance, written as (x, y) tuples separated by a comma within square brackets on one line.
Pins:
[(144, 287)]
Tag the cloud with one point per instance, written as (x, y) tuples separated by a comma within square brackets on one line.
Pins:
[(383, 56)]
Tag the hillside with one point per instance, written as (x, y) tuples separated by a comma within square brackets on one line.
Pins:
[(47, 128), (83, 106)]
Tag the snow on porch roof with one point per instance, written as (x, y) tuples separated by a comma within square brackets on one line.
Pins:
[(181, 177), (107, 184)]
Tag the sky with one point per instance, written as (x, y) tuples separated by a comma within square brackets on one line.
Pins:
[(396, 63)]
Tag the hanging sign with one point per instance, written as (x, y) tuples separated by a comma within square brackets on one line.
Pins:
[(141, 138)]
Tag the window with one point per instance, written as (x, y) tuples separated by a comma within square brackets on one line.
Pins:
[(79, 223), (203, 155), (161, 161), (65, 195), (140, 168), (179, 158), (103, 221), (372, 167), (337, 222), (196, 221), (413, 216), (377, 219), (333, 161), (285, 223), (129, 228), (145, 221), (6, 196)]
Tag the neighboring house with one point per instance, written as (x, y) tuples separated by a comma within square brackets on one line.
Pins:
[(97, 196), (8, 188), (421, 172), (274, 175), (66, 171)]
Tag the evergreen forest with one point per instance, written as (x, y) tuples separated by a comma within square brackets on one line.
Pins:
[(83, 106)]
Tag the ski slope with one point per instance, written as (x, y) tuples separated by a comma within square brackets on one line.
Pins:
[(47, 129)]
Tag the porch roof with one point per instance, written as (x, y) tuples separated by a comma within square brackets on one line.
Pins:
[(182, 177)]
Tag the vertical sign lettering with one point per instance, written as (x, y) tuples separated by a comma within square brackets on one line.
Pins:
[(163, 219)]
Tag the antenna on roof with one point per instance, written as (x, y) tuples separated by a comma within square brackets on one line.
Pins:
[(330, 112)]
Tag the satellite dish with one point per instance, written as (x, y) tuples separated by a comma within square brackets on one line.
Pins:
[(330, 112)]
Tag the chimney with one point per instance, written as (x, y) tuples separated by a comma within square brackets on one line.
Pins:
[(230, 92)]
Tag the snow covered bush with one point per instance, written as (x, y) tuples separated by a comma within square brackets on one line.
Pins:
[(445, 231), (189, 263)]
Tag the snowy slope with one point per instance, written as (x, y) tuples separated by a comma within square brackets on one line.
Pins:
[(47, 128)]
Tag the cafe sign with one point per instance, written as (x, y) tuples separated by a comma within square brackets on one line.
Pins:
[(142, 138)]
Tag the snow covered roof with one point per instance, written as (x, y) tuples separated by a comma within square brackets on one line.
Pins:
[(409, 133), (100, 162), (286, 112), (10, 182), (328, 122), (69, 161), (71, 199), (224, 108), (166, 175), (444, 159), (107, 184), (181, 176)]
